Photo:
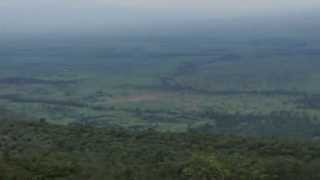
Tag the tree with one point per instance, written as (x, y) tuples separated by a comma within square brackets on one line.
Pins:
[(203, 167)]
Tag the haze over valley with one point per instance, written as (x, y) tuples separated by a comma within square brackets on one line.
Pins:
[(215, 90)]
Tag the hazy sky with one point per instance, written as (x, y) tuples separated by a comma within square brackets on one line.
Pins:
[(59, 15)]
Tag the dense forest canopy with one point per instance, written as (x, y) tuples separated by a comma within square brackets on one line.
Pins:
[(36, 149)]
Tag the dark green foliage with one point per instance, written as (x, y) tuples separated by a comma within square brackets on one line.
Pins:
[(204, 167), (24, 81), (310, 101), (275, 124), (45, 151)]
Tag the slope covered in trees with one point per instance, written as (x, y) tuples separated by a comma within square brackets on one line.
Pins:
[(43, 151)]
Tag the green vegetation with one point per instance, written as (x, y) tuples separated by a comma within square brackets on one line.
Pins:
[(253, 87), (148, 109), (38, 150)]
